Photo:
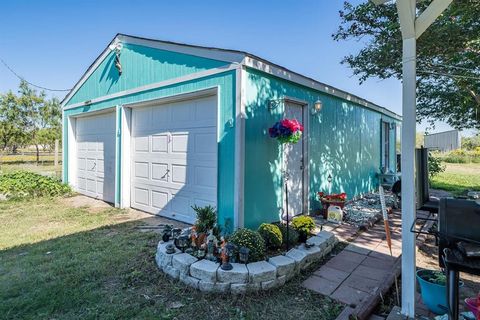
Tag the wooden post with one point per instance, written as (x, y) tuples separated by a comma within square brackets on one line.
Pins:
[(55, 159)]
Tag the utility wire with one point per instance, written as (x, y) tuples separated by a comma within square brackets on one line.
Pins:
[(23, 79)]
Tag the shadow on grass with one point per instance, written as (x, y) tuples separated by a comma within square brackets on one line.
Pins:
[(110, 273)]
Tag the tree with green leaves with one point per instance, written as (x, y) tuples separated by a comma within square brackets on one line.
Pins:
[(12, 133), (448, 57), (471, 143), (29, 118)]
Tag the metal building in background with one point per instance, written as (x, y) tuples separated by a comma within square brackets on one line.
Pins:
[(443, 141)]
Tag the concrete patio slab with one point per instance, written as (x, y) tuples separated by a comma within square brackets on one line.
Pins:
[(331, 274), (321, 285)]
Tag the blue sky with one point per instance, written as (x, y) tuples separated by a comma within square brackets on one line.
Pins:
[(52, 43)]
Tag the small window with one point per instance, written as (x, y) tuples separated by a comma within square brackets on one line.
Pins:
[(386, 146)]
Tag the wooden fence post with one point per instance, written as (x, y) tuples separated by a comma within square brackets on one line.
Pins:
[(55, 161)]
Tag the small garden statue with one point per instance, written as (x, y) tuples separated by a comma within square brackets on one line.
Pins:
[(212, 243), (201, 251), (193, 237), (232, 249), (224, 255)]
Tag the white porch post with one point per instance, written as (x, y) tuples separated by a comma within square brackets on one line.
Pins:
[(408, 177), (412, 28)]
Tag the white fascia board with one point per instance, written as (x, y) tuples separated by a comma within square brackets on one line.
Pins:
[(204, 52), (255, 63), (192, 76)]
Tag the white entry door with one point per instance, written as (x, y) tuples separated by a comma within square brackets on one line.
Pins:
[(95, 140), (293, 162), (174, 157)]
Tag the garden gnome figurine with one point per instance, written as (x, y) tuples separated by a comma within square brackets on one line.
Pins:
[(193, 237), (224, 254), (212, 243)]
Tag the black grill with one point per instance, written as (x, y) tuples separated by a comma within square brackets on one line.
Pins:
[(459, 244), (458, 222)]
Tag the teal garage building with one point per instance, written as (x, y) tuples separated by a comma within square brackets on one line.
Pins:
[(161, 126)]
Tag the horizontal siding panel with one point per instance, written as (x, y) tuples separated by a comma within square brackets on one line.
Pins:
[(344, 141), (140, 66)]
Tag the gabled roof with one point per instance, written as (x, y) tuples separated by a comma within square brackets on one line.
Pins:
[(231, 57)]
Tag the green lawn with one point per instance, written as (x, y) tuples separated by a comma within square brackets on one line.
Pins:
[(458, 178), (59, 262), (46, 169)]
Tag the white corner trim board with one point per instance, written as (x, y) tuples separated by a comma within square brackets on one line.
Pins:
[(239, 147), (125, 154)]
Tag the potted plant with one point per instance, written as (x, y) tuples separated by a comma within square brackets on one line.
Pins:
[(434, 290), (206, 220)]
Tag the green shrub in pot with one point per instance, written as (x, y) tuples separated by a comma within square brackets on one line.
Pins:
[(434, 290), (206, 220)]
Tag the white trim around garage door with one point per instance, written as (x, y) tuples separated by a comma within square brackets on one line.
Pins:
[(126, 154), (72, 146), (72, 141)]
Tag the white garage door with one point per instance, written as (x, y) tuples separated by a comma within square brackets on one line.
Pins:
[(174, 157), (95, 138)]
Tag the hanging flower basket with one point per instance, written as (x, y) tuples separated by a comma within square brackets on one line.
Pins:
[(287, 131)]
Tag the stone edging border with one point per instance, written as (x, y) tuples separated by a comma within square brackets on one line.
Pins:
[(206, 275)]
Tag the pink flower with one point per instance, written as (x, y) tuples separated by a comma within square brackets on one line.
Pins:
[(292, 124)]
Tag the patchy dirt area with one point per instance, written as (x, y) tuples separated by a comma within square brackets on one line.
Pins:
[(80, 201), (144, 218)]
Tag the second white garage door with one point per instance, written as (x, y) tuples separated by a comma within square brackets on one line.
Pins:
[(174, 157), (95, 140)]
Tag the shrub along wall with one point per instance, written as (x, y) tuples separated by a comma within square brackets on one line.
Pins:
[(461, 156)]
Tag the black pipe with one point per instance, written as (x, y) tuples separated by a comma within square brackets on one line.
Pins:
[(286, 209)]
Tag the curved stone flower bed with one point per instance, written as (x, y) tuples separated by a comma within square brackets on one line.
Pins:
[(207, 276)]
